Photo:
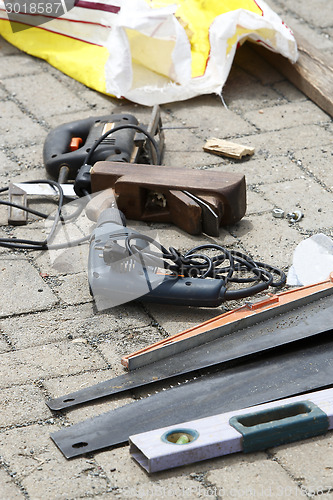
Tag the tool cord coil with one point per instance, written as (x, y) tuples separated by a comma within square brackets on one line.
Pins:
[(231, 266)]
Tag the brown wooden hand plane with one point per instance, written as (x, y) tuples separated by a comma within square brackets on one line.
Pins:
[(194, 200)]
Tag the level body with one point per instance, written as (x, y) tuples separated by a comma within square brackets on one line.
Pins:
[(251, 429)]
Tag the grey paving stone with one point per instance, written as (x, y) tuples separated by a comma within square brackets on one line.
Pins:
[(3, 217), (255, 65), (72, 323), (317, 38), (318, 161), (17, 128), (3, 94), (71, 83), (289, 92), (105, 496), (242, 93), (251, 476), (258, 170), (292, 195), (50, 360), (182, 318), (18, 65), (7, 48), (181, 139), (142, 113), (326, 495), (100, 103), (188, 158), (68, 117), (225, 239), (43, 471), (31, 230), (310, 462), (268, 239), (130, 341), (9, 490), (135, 483), (256, 203), (316, 11), (46, 96), (23, 290), (199, 115), (286, 116), (61, 386), (22, 404), (71, 260), (73, 289), (23, 174), (31, 157), (185, 146), (93, 409), (288, 141), (328, 33), (4, 346)]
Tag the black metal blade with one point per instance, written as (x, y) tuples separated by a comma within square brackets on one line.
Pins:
[(289, 327), (291, 372)]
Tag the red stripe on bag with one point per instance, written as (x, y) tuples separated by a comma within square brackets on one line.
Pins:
[(97, 6), (54, 32)]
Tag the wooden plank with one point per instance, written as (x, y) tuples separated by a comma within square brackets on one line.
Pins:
[(312, 73), (226, 148)]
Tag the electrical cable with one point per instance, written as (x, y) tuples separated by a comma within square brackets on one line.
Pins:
[(121, 127), (231, 266), (26, 244), (25, 209)]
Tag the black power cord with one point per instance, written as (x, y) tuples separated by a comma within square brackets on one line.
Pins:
[(24, 244), (121, 127), (231, 266), (82, 184), (228, 265), (46, 244)]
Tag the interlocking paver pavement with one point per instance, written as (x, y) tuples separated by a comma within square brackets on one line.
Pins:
[(52, 338)]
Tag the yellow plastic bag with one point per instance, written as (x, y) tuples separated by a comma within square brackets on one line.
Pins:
[(148, 51)]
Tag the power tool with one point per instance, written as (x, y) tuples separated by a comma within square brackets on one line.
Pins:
[(114, 152), (70, 150), (126, 265)]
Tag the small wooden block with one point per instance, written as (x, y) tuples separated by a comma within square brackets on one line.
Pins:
[(227, 148)]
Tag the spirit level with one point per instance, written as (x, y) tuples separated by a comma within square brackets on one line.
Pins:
[(251, 429), (304, 367)]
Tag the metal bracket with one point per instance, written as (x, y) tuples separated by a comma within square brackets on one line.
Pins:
[(18, 194)]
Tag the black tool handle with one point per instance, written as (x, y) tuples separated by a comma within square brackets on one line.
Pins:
[(118, 147), (188, 292), (56, 152)]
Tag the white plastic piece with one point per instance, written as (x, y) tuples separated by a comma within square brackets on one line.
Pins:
[(312, 261)]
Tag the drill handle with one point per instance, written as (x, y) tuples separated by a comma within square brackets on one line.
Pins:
[(57, 152)]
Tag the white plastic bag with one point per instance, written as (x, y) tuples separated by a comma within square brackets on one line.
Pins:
[(312, 261), (149, 51)]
